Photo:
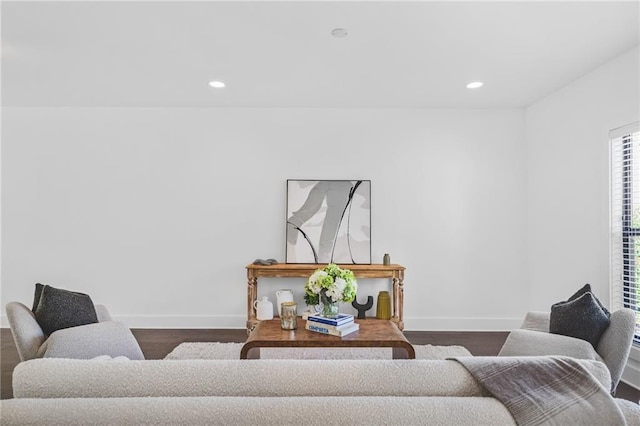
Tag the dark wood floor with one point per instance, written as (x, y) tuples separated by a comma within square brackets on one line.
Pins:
[(157, 343)]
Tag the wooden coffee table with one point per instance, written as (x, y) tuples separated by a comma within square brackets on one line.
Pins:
[(373, 333)]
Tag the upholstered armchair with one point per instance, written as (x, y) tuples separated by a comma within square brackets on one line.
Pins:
[(106, 337), (533, 339)]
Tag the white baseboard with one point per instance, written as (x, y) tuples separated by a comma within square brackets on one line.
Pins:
[(239, 321), (164, 321)]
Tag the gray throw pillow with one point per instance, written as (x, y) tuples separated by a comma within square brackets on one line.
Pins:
[(57, 309), (36, 296), (587, 289), (582, 317)]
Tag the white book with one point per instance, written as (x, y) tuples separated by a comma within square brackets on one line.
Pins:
[(329, 326), (325, 329)]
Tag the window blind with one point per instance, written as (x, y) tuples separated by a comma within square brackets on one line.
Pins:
[(625, 220)]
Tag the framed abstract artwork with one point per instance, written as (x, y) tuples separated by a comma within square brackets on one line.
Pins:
[(328, 221)]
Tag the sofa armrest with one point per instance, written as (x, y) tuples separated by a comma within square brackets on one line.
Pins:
[(88, 341), (615, 344), (536, 321), (102, 313), (26, 332)]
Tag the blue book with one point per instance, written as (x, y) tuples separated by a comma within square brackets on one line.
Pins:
[(341, 319)]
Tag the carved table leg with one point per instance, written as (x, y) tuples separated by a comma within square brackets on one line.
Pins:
[(401, 301), (252, 296), (396, 301)]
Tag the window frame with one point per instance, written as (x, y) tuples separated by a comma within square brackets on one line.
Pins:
[(625, 279)]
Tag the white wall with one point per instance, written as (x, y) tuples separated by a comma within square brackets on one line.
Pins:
[(156, 212), (568, 181)]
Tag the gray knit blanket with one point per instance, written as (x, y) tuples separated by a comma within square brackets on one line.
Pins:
[(550, 390)]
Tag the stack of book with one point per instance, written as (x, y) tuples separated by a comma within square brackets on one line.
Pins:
[(340, 326)]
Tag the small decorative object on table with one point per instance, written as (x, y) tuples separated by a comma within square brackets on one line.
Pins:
[(383, 310), (386, 259), (264, 308), (362, 309), (284, 295), (266, 262), (288, 316), (330, 285)]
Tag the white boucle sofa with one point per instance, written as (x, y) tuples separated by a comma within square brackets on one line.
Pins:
[(261, 392)]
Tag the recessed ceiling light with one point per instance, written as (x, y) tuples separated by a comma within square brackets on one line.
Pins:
[(475, 85), (339, 32), (216, 84)]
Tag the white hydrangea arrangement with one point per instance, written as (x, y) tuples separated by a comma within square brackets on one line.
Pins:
[(332, 282)]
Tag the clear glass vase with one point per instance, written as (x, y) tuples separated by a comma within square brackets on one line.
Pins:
[(330, 308)]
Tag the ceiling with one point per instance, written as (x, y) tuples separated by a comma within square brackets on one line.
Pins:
[(412, 54)]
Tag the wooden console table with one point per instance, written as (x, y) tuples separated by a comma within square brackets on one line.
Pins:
[(304, 270)]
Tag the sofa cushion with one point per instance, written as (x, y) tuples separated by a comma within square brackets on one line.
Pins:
[(582, 317), (110, 338), (57, 309), (73, 378)]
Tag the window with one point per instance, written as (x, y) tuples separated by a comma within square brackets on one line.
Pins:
[(625, 220)]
